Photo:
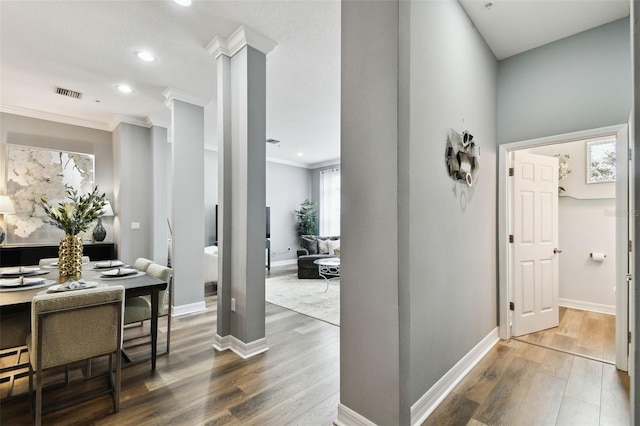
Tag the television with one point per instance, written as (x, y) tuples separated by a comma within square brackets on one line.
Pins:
[(268, 224)]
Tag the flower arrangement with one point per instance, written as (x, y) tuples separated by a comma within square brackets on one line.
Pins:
[(76, 215)]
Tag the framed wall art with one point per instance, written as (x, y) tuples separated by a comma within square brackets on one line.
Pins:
[(35, 173)]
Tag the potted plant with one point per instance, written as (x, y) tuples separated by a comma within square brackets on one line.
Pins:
[(73, 217), (307, 218)]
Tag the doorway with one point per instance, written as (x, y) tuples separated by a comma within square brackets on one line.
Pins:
[(620, 299)]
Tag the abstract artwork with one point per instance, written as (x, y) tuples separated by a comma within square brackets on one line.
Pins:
[(35, 173), (461, 157)]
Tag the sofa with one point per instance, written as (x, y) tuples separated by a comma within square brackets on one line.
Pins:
[(315, 247)]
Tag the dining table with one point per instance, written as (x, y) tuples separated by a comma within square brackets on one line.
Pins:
[(135, 284)]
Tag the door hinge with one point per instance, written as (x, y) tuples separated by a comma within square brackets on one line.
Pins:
[(511, 238), (630, 246), (511, 171), (511, 306), (629, 339)]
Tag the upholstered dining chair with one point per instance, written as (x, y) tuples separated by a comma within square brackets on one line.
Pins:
[(72, 326), (142, 264), (138, 309)]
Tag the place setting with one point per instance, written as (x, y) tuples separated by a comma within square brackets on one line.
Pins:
[(23, 283), (120, 273), (109, 264), (22, 271), (72, 285)]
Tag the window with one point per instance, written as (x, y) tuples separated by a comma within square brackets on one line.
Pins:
[(330, 202)]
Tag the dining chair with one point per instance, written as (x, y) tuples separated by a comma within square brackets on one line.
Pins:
[(72, 326), (142, 264), (138, 309)]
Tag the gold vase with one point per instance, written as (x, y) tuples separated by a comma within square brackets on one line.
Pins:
[(70, 258)]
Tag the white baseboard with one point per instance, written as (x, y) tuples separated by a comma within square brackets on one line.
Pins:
[(240, 348), (434, 396), (284, 262), (192, 308), (587, 306), (348, 417)]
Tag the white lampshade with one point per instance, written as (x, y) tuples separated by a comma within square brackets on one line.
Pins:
[(108, 211), (6, 205)]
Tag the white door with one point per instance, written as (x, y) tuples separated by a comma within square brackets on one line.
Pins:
[(535, 243)]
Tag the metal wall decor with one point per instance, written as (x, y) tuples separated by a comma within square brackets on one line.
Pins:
[(461, 157)]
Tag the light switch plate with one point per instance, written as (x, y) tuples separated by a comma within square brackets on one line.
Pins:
[(135, 225)]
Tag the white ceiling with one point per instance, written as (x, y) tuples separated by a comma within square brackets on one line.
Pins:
[(89, 46)]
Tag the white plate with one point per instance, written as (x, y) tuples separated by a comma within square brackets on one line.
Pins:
[(23, 270), (65, 287), (119, 272), (11, 282), (108, 264), (44, 283)]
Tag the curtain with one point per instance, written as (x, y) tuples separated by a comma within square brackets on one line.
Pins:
[(329, 202)]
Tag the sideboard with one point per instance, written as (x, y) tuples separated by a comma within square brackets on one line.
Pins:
[(30, 255)]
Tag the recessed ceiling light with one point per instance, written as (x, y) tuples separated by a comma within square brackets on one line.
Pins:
[(124, 88), (146, 56), (183, 2), (300, 154)]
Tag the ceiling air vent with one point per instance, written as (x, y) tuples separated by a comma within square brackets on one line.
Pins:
[(69, 93)]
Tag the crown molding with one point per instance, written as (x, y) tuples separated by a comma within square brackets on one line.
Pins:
[(171, 94), (58, 118), (334, 162), (243, 36)]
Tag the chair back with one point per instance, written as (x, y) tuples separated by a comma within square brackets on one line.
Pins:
[(142, 264), (165, 274), (75, 325)]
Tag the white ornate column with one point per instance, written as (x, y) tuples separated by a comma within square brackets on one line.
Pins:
[(187, 204), (241, 60)]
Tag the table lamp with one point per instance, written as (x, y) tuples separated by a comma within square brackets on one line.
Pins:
[(99, 233), (6, 207)]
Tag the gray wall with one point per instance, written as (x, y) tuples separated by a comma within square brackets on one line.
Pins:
[(133, 190), (287, 187), (434, 289), (578, 83), (369, 325), (16, 129), (451, 230)]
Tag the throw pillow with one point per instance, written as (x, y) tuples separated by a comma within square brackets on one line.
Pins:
[(309, 243), (333, 246), (323, 246)]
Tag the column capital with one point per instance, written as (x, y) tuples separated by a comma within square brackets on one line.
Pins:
[(171, 94), (243, 36)]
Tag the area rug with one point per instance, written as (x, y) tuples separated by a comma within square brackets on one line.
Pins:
[(306, 296)]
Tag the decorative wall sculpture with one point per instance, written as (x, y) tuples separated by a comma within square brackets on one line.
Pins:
[(461, 157), (34, 173)]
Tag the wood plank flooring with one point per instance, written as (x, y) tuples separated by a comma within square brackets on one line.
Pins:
[(580, 332), (295, 382), (520, 383)]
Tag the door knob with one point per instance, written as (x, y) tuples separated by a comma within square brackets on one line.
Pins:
[(555, 251)]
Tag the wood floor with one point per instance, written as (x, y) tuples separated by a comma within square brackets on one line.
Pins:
[(519, 383), (296, 382), (581, 332)]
